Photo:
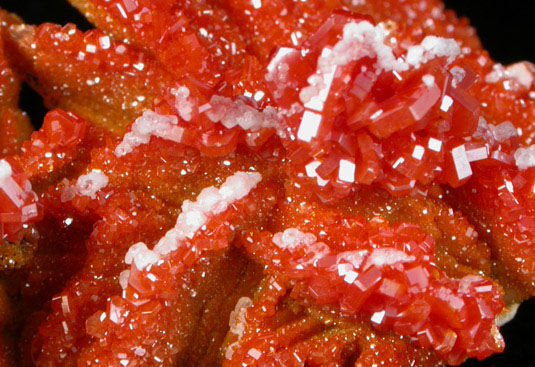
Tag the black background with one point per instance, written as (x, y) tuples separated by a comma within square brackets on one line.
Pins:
[(507, 30)]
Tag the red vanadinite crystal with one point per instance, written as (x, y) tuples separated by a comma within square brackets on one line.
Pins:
[(140, 315), (19, 205), (55, 145), (389, 274), (396, 129)]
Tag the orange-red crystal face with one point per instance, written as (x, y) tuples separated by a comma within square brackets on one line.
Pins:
[(262, 183)]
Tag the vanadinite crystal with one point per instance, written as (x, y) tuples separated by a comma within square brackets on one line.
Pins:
[(19, 204), (249, 183)]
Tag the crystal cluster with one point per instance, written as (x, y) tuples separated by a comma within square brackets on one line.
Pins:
[(266, 183), (74, 67), (153, 283), (361, 115), (55, 145), (19, 205), (390, 274)]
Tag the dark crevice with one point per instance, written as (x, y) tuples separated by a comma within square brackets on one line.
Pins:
[(46, 11), (38, 12), (32, 103), (352, 358)]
